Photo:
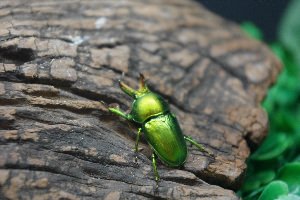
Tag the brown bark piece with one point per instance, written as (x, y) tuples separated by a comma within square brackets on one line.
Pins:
[(60, 59)]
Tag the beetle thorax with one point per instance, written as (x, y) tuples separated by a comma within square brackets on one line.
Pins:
[(147, 106)]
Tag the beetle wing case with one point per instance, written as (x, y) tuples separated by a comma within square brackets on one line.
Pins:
[(164, 135)]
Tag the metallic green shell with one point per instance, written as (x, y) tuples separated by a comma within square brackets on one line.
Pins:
[(148, 105), (164, 135)]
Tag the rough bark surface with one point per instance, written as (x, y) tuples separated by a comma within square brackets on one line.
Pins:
[(59, 59)]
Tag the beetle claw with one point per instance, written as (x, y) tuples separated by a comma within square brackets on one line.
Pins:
[(136, 162), (156, 181), (156, 191), (211, 155)]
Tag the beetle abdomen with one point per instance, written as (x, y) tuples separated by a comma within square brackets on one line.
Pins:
[(164, 135)]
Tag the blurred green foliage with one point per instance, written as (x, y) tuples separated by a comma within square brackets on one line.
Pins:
[(274, 169)]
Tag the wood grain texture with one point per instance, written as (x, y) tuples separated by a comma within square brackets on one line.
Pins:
[(59, 59)]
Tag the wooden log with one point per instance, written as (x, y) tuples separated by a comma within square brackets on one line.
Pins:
[(60, 59)]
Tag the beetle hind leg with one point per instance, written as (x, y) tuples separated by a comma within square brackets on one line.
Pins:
[(199, 146)]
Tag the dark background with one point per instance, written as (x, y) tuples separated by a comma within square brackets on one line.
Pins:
[(263, 13)]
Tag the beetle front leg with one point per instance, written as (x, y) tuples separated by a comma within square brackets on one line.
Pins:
[(199, 146), (120, 113), (155, 169)]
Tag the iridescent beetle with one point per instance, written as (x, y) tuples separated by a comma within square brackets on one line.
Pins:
[(160, 127)]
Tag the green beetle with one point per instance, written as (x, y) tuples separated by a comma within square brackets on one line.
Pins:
[(160, 127)]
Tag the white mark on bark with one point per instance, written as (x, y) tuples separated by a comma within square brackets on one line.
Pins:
[(100, 22), (77, 40)]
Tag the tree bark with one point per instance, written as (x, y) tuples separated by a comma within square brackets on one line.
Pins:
[(60, 59)]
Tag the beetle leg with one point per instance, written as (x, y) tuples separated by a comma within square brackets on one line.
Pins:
[(155, 169), (136, 148), (199, 146), (120, 113)]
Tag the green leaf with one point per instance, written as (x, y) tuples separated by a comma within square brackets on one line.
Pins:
[(297, 159), (289, 30), (286, 97), (252, 30), (278, 49), (289, 197), (266, 176), (283, 120), (250, 184), (290, 173), (253, 195), (272, 147), (274, 190)]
